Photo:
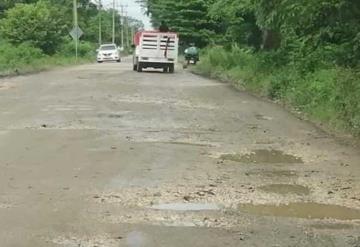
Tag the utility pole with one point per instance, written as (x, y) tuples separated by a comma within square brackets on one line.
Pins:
[(122, 24), (113, 25), (127, 29), (100, 23), (76, 26)]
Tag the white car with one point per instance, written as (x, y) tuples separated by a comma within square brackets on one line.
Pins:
[(109, 52)]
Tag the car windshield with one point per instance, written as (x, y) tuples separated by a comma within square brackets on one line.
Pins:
[(108, 48)]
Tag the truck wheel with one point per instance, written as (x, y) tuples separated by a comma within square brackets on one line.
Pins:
[(139, 67), (172, 68), (134, 67), (165, 69)]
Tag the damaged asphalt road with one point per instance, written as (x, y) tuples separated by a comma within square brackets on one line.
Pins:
[(99, 155)]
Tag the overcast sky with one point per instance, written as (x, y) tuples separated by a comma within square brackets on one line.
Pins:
[(134, 10)]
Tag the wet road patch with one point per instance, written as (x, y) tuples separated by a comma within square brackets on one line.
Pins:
[(285, 189), (306, 210), (263, 156)]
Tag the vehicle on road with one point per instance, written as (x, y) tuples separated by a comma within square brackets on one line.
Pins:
[(108, 52), (192, 55), (155, 49)]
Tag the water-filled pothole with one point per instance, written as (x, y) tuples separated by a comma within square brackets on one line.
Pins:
[(285, 189), (263, 156), (187, 206), (303, 210)]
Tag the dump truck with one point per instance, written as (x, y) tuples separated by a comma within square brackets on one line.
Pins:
[(154, 49)]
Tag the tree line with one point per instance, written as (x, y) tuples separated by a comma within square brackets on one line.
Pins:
[(330, 28), (45, 24)]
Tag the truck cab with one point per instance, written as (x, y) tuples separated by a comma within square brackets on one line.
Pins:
[(154, 49)]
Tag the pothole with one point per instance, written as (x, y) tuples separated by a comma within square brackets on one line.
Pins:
[(5, 205), (187, 206), (285, 189), (7, 85), (273, 173), (332, 226), (263, 156), (303, 210), (262, 117), (86, 241), (188, 144), (113, 115)]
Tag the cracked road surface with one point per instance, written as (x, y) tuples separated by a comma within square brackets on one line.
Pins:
[(99, 155)]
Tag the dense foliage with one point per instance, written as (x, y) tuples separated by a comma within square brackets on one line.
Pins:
[(44, 25), (305, 53)]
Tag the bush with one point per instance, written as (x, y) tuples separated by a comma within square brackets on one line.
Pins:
[(85, 49), (38, 24), (15, 56)]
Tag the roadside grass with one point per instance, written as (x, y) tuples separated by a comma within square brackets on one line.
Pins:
[(327, 93), (23, 59)]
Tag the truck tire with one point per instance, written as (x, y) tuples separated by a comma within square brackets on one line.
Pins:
[(165, 69), (139, 67), (134, 67), (171, 68)]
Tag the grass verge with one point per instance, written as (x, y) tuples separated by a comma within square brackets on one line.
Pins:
[(323, 93), (23, 59)]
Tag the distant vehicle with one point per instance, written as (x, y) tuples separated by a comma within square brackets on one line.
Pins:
[(154, 49), (192, 55), (108, 52)]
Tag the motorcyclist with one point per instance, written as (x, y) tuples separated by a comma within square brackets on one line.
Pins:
[(192, 54)]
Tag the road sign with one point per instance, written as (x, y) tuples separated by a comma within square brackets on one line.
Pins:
[(76, 33)]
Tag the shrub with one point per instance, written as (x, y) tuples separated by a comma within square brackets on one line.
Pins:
[(15, 56), (85, 49), (38, 24)]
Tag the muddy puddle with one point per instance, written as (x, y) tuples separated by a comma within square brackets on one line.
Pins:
[(285, 189), (263, 156), (187, 207), (303, 210)]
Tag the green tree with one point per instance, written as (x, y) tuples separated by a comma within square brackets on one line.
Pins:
[(39, 24)]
